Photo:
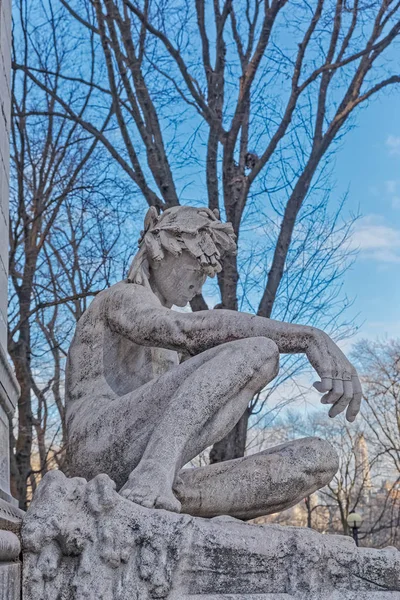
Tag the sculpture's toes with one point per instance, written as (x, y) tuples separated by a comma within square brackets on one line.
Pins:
[(139, 496), (168, 503), (150, 498)]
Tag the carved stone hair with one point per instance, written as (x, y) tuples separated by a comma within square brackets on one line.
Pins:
[(196, 230)]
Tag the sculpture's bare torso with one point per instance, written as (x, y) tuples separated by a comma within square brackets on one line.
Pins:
[(134, 412), (108, 364)]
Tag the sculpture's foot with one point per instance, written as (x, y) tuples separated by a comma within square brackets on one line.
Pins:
[(149, 486)]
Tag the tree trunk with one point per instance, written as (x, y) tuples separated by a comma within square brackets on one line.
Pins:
[(307, 501), (235, 194), (20, 353), (22, 457), (232, 445), (292, 209)]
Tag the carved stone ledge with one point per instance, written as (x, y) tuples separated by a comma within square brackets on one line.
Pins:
[(10, 517), (9, 388), (84, 541)]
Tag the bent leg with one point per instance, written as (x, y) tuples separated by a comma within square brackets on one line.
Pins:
[(259, 484), (110, 435), (205, 407)]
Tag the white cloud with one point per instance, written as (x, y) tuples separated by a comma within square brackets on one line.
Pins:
[(396, 202), (392, 189), (393, 144), (391, 186), (377, 240)]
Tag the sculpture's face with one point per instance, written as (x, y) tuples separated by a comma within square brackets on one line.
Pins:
[(177, 278)]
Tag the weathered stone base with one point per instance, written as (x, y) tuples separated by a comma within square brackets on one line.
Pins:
[(10, 567), (322, 596), (84, 541), (10, 581)]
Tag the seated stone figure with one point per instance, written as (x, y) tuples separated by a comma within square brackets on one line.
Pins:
[(138, 414)]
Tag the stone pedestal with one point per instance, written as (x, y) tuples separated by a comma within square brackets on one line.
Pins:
[(10, 568), (10, 515), (84, 541), (10, 581)]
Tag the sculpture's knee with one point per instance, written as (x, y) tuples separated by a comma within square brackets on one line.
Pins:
[(255, 352), (319, 458), (255, 362), (263, 354)]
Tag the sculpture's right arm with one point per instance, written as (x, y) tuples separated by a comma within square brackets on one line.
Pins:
[(134, 312)]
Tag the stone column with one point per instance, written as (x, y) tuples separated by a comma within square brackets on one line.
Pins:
[(10, 515)]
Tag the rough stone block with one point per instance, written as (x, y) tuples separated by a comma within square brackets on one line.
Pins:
[(4, 256), (4, 145), (10, 581), (4, 201), (9, 388), (5, 34), (84, 541), (4, 453), (3, 331), (5, 23)]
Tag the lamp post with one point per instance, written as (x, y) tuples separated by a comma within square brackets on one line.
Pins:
[(354, 521)]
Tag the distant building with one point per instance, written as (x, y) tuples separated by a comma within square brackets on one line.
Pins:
[(363, 470)]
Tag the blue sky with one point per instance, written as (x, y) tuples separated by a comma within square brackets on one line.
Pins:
[(368, 165)]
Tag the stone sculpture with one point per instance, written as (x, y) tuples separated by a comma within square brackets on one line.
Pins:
[(138, 415)]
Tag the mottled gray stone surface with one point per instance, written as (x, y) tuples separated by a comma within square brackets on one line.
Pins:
[(10, 546), (137, 413), (10, 581), (84, 541), (10, 568)]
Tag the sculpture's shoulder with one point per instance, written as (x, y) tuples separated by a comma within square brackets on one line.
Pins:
[(121, 298), (90, 326), (124, 293), (116, 298)]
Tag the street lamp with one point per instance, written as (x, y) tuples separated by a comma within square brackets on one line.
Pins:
[(354, 521)]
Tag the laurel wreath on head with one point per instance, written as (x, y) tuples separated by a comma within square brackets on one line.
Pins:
[(178, 229)]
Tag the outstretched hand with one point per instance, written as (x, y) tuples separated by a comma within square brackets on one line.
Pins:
[(339, 380)]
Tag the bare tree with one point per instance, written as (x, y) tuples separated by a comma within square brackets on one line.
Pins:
[(379, 364), (61, 248), (254, 94), (369, 475)]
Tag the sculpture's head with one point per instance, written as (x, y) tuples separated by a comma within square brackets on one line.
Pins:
[(179, 249)]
